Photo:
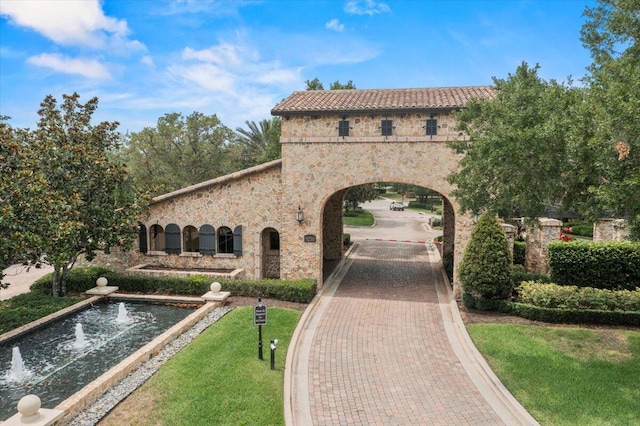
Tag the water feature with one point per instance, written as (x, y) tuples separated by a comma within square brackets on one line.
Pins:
[(62, 357), (123, 315)]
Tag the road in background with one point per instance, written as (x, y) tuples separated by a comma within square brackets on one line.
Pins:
[(393, 225)]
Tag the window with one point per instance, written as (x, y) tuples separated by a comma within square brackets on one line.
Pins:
[(225, 240), (343, 128), (387, 127), (157, 238), (190, 239), (142, 238), (432, 127)]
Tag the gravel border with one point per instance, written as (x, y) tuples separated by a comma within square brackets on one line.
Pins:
[(101, 407)]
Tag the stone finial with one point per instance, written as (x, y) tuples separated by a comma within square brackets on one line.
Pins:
[(215, 287), (102, 282), (29, 405)]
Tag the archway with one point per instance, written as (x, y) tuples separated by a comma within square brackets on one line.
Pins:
[(270, 249)]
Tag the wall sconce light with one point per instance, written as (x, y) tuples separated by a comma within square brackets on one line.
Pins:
[(299, 215)]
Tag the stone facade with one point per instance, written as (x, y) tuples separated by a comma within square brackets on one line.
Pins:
[(317, 168), (538, 238)]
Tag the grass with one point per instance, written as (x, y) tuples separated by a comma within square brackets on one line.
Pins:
[(218, 378), (566, 376), (358, 217), (27, 307)]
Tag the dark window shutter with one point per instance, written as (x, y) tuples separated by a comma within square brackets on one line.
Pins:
[(207, 239), (387, 127), (172, 239), (432, 127), (237, 241), (142, 238), (343, 128)]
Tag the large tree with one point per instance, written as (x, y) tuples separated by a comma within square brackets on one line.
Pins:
[(259, 142), (316, 84), (517, 153), (360, 194), (178, 152), (66, 197), (612, 35)]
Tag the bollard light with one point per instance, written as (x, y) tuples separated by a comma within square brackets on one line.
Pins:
[(274, 342)]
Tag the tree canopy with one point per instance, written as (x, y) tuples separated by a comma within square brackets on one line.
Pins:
[(542, 143), (178, 152), (260, 142), (316, 84), (65, 196)]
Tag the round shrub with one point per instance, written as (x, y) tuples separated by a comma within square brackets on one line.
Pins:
[(485, 270)]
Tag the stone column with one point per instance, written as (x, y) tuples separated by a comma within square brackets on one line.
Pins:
[(510, 230), (448, 227), (332, 227), (610, 230), (536, 252)]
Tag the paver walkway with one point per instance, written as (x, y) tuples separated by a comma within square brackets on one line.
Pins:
[(377, 350)]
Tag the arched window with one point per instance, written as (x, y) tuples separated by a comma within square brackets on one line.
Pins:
[(172, 239), (156, 234), (207, 239), (190, 239), (225, 240)]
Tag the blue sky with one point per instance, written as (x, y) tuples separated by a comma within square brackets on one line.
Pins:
[(237, 59)]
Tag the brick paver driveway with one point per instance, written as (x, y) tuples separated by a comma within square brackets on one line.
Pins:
[(380, 353)]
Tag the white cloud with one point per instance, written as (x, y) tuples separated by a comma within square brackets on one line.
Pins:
[(88, 68), (148, 61), (335, 25), (366, 7), (71, 23)]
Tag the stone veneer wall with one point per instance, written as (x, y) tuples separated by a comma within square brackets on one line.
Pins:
[(610, 230), (253, 200), (538, 238), (316, 164)]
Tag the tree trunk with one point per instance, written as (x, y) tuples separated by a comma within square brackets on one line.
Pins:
[(63, 282), (55, 284)]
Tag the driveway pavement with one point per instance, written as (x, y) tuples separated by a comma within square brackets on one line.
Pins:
[(20, 278), (383, 344)]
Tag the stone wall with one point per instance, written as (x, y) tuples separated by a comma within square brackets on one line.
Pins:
[(538, 238)]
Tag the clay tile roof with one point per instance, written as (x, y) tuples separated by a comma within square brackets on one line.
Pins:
[(380, 100)]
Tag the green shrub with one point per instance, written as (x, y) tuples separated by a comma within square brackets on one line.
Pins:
[(548, 295), (519, 252), (519, 274), (447, 263), (582, 229), (613, 265), (418, 205), (82, 279), (346, 239), (485, 270), (436, 222)]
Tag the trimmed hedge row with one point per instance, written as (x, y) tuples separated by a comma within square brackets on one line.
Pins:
[(613, 265), (572, 297), (519, 252), (82, 279), (554, 316)]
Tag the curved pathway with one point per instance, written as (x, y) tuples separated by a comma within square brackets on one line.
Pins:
[(383, 344)]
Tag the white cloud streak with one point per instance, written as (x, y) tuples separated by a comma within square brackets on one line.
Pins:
[(366, 7), (88, 68)]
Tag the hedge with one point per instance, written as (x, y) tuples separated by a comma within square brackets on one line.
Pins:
[(82, 279), (547, 295), (613, 265), (519, 252), (557, 316)]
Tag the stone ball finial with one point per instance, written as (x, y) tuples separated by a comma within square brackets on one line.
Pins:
[(215, 287), (29, 405), (101, 282)]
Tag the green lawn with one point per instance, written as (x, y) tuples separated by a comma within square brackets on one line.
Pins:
[(566, 376), (27, 307), (358, 217), (218, 378)]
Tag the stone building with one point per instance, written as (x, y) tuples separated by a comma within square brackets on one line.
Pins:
[(284, 218)]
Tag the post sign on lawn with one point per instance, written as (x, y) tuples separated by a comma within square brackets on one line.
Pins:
[(260, 314)]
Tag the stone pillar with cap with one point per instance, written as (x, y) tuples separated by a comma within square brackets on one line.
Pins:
[(29, 412), (215, 295)]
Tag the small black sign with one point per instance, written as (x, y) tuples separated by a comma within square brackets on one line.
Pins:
[(260, 314), (309, 238)]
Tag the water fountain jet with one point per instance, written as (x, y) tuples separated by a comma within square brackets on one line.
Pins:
[(80, 341), (17, 372), (123, 316)]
